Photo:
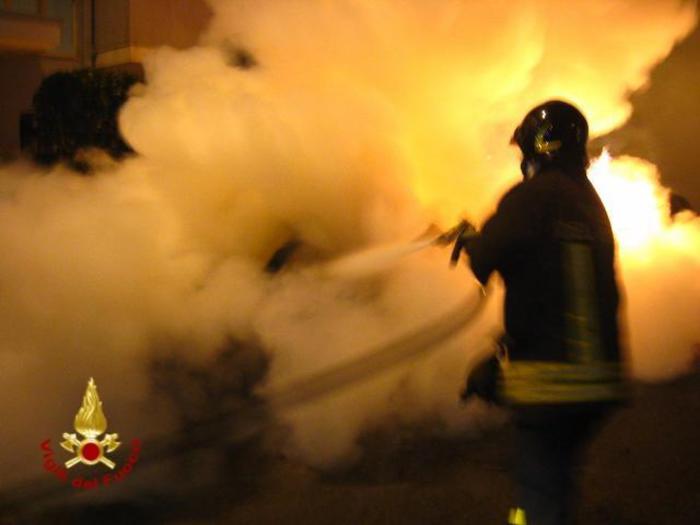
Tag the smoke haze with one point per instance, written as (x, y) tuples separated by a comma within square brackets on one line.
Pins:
[(362, 124)]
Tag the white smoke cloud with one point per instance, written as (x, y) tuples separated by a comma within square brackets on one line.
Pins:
[(363, 123)]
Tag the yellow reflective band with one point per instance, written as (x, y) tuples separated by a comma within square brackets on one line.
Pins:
[(551, 382), (517, 517), (537, 394), (552, 371), (583, 338)]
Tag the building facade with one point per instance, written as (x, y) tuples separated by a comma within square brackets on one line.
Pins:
[(40, 37)]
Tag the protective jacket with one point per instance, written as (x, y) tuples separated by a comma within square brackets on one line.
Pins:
[(551, 241)]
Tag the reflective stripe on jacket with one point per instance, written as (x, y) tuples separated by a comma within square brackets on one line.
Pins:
[(538, 382)]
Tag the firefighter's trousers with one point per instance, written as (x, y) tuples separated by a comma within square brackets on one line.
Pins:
[(550, 441)]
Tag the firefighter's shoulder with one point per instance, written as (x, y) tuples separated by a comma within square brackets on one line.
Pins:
[(531, 192), (522, 195)]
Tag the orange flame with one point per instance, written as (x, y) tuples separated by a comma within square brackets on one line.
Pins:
[(639, 209)]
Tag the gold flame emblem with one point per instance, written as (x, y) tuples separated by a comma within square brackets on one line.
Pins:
[(90, 422)]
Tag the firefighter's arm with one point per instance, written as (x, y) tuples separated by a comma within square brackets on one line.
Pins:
[(501, 234)]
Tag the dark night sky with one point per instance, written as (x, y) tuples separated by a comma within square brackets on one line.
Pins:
[(665, 125)]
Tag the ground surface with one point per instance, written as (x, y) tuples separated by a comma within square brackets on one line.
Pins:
[(643, 469)]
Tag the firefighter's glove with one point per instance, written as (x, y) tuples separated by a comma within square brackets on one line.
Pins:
[(453, 233), (462, 235)]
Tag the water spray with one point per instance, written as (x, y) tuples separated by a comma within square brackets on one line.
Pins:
[(375, 260), (388, 355), (403, 348)]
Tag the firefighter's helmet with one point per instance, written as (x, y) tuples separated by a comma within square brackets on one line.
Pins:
[(553, 133)]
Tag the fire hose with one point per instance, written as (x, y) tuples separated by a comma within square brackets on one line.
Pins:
[(375, 361), (388, 355)]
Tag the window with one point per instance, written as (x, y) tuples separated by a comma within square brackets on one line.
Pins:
[(62, 11), (25, 7)]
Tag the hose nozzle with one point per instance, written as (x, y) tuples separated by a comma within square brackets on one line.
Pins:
[(463, 229), (457, 235)]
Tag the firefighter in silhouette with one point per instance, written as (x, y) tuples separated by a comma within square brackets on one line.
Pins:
[(551, 242)]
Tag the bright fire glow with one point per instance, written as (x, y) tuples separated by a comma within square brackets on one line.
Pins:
[(637, 205), (659, 260)]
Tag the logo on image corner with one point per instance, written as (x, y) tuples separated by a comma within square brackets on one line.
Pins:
[(90, 422), (87, 447)]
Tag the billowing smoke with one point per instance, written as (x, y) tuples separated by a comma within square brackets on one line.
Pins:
[(361, 123)]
